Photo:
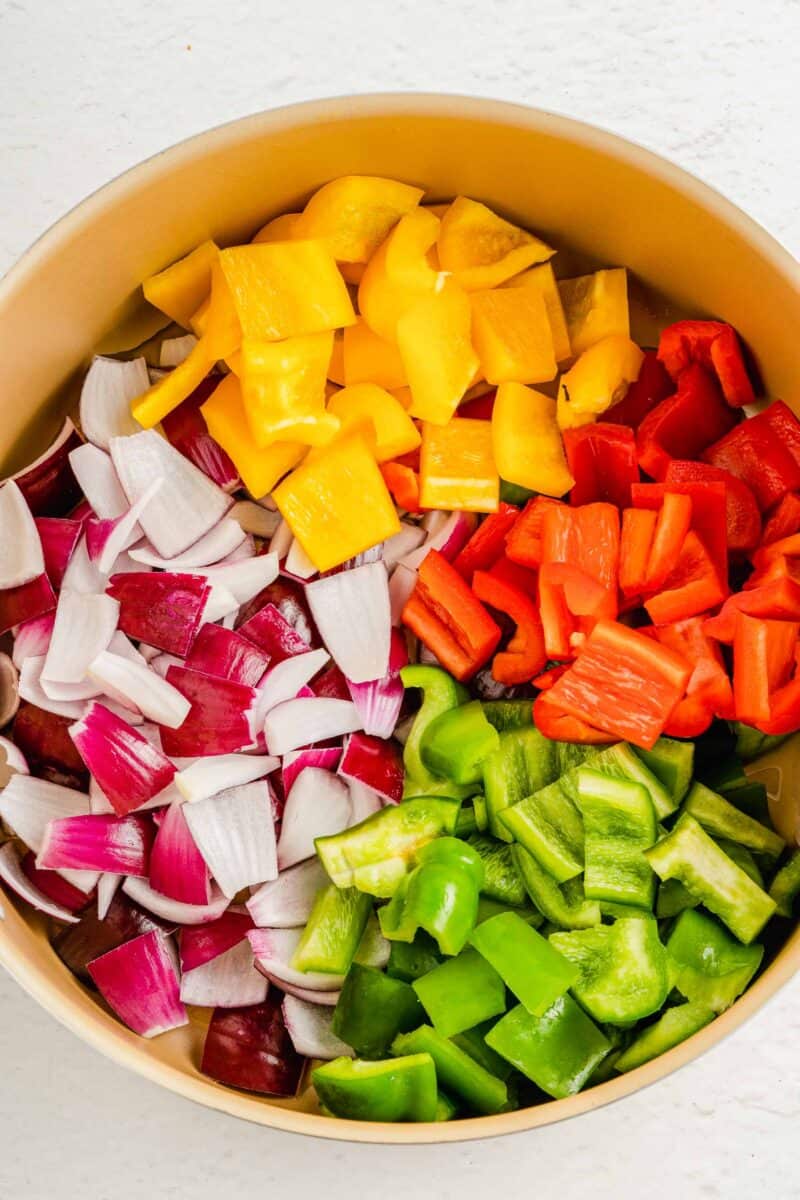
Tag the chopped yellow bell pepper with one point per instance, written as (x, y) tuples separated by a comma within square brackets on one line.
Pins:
[(527, 443), (457, 467), (179, 290), (595, 306), (222, 332), (259, 470), (336, 366), (282, 228), (438, 210), (435, 340), (173, 388), (599, 378), (543, 280), (283, 389), (404, 397), (511, 332), (370, 359), (354, 214), (338, 505), (481, 249), (199, 319), (395, 432), (286, 289), (352, 272), (400, 273)]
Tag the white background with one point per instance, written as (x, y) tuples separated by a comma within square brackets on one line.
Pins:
[(90, 87)]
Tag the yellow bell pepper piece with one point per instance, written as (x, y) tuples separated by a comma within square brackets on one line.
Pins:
[(173, 387), (199, 319), (179, 290), (336, 372), (436, 347), (511, 332), (400, 273), (259, 470), (395, 432), (542, 279), (282, 228), (595, 306), (527, 443), (352, 273), (286, 289), (222, 332), (481, 249), (283, 389), (370, 359), (338, 505), (457, 467), (599, 378), (354, 214), (438, 210), (404, 397)]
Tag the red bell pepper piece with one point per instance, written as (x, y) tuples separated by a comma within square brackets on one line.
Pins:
[(585, 537), (524, 542), (480, 408), (403, 483), (547, 678), (651, 543), (636, 538), (560, 726), (763, 663), (685, 424), (743, 519), (692, 587), (780, 568), (783, 520), (784, 710), (571, 603), (788, 547), (487, 543), (602, 461), (714, 345), (763, 452), (708, 691), (709, 519), (447, 616), (651, 387), (511, 572), (524, 656), (779, 601), (622, 683)]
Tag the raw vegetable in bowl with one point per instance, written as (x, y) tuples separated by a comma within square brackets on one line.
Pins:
[(385, 655)]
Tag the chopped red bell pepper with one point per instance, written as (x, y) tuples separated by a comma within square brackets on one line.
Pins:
[(602, 461), (673, 524), (764, 452), (780, 568), (571, 602), (488, 543), (708, 691), (636, 538), (447, 616), (585, 537), (651, 387), (524, 542), (779, 601), (784, 710), (511, 572), (480, 408), (709, 513), (788, 547), (743, 519), (683, 425), (403, 483), (783, 520), (560, 726), (622, 683), (694, 586), (763, 663), (524, 656), (547, 678), (713, 344)]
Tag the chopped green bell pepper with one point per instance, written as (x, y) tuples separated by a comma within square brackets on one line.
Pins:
[(557, 1051), (372, 1009), (722, 819), (549, 825), (456, 742), (461, 1074), (446, 1107), (440, 896), (460, 993), (786, 885), (623, 969), (672, 1028), (408, 961), (523, 762), (488, 908), (440, 692), (509, 714), (466, 822), (725, 776), (481, 812), (374, 856), (751, 798), (573, 754), (400, 1089), (514, 493), (672, 762), (528, 964), (501, 879), (620, 762), (689, 854), (473, 1042), (619, 823), (706, 964), (673, 898), (333, 930), (752, 743), (565, 904)]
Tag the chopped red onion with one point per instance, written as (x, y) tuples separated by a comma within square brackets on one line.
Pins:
[(139, 981), (309, 1027), (31, 689), (82, 575), (93, 936), (48, 483), (28, 805), (401, 585), (289, 597), (227, 655), (245, 549), (26, 602), (162, 663), (274, 950), (364, 802), (352, 613), (199, 944), (177, 868), (54, 886), (98, 800), (235, 834), (83, 628), (249, 1048), (379, 702), (318, 805), (297, 562), (176, 350), (286, 902), (186, 429), (376, 763), (162, 608), (245, 578), (402, 543), (331, 684), (175, 911), (107, 886), (296, 761), (59, 537), (128, 768), (217, 773), (13, 875), (221, 605), (15, 760), (217, 718), (270, 631), (447, 535), (109, 389), (92, 842), (297, 723), (254, 518), (228, 981), (43, 738), (99, 481), (21, 557), (284, 680), (140, 689), (107, 540), (32, 638), (225, 537)]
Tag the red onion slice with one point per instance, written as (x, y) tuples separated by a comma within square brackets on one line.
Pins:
[(296, 761), (245, 578), (249, 1048), (175, 911), (107, 886), (177, 868), (274, 950), (140, 689), (281, 540), (286, 902), (92, 842), (21, 557), (200, 943), (309, 1027), (99, 481), (110, 387), (228, 981), (298, 564), (82, 575), (318, 805), (297, 723), (400, 544), (448, 536), (270, 630), (28, 805), (235, 834), (32, 638), (364, 802), (13, 876), (164, 609), (352, 613), (186, 429), (139, 981), (218, 543), (127, 768), (31, 690), (284, 680), (83, 628), (217, 718), (401, 585), (217, 773), (227, 655), (107, 540), (48, 483), (59, 537)]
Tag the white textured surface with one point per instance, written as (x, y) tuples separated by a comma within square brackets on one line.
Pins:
[(89, 87)]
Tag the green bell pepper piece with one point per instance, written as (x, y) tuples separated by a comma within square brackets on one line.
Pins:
[(372, 1009), (446, 1107), (400, 1089), (557, 1051), (549, 825), (481, 812), (673, 898), (619, 822), (752, 743), (508, 714), (515, 493), (623, 969), (461, 1074), (440, 896), (409, 960), (722, 819), (473, 1042), (786, 885), (565, 904), (725, 776), (523, 762), (615, 911), (528, 964), (751, 798), (706, 964), (620, 762), (466, 822), (672, 762), (689, 854), (743, 858), (570, 755), (488, 908), (460, 993), (672, 1028), (501, 879), (440, 692), (333, 930), (455, 743), (374, 856)]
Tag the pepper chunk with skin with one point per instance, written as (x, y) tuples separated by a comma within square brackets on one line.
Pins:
[(716, 346), (440, 896), (524, 655), (440, 694), (557, 1051), (397, 1089), (445, 614), (686, 424), (526, 962), (622, 969)]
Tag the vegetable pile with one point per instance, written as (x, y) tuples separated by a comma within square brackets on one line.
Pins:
[(388, 708)]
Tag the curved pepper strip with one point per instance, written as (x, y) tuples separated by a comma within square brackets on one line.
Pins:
[(602, 461), (763, 451), (778, 601), (440, 694), (764, 660), (715, 345), (487, 544), (403, 483), (684, 425), (743, 519), (439, 896), (709, 519), (397, 1089), (525, 655), (708, 691), (524, 540), (560, 726)]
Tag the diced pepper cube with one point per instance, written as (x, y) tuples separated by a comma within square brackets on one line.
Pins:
[(388, 422), (599, 379), (481, 249), (511, 332), (457, 468), (542, 279), (180, 289), (435, 342), (595, 306), (400, 273), (283, 389), (527, 445), (280, 229), (368, 358), (354, 214), (259, 469)]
